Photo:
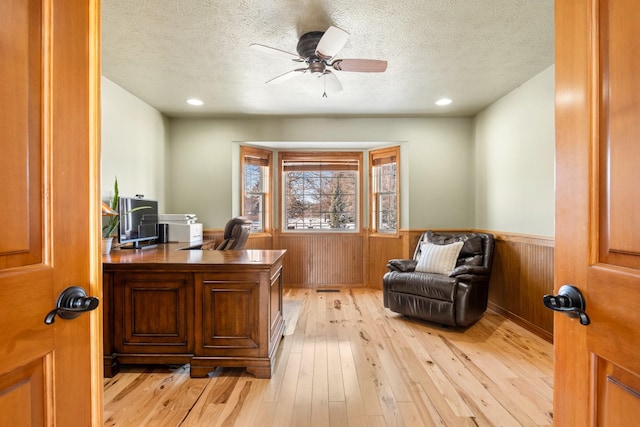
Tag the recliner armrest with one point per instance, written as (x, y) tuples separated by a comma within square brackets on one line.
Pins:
[(403, 265), (469, 269)]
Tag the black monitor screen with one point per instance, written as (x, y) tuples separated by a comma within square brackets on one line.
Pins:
[(138, 220)]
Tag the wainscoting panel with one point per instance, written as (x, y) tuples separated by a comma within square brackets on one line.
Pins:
[(381, 249), (213, 237), (260, 241), (522, 273), (322, 260)]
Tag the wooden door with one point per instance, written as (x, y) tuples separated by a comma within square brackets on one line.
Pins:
[(597, 367), (49, 221)]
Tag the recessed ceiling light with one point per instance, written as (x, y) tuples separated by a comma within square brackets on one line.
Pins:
[(194, 101), (443, 101)]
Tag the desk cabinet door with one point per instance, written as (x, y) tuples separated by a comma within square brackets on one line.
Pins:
[(153, 312), (228, 314)]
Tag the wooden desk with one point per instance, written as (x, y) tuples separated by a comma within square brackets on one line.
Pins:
[(207, 308)]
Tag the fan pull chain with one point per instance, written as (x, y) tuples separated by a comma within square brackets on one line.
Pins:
[(324, 80)]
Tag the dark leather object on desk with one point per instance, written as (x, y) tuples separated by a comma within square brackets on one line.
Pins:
[(457, 299)]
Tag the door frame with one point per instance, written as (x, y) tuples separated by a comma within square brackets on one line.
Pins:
[(95, 287)]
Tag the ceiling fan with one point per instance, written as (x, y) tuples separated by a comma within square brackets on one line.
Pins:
[(317, 49)]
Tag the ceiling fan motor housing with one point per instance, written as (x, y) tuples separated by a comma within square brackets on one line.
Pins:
[(308, 43), (307, 49), (317, 67)]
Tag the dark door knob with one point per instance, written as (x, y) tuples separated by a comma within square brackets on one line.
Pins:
[(72, 302), (569, 301)]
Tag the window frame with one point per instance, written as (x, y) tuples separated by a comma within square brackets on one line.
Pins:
[(326, 157), (266, 157), (377, 158)]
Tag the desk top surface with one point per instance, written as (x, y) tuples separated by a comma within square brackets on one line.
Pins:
[(179, 254)]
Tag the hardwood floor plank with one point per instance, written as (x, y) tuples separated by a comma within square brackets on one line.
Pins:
[(411, 416), (170, 391), (114, 388), (377, 394), (431, 375), (334, 367), (320, 388), (500, 389), (248, 414), (277, 375), (266, 414), (536, 393), (347, 361), (467, 386), (387, 359), (304, 388), (174, 407), (338, 415), (376, 421), (234, 406), (365, 376), (426, 394), (287, 394), (353, 399), (214, 399), (353, 393)]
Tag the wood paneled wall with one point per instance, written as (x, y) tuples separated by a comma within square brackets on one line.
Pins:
[(381, 249), (255, 241), (313, 260), (522, 274), (522, 267), (323, 260)]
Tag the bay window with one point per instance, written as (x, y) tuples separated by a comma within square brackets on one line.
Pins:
[(320, 191), (384, 183), (256, 167)]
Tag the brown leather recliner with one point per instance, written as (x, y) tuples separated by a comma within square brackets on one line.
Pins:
[(457, 299), (236, 233)]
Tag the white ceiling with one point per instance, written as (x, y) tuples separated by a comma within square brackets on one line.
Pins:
[(472, 51)]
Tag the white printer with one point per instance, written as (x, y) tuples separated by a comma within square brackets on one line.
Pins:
[(182, 227)]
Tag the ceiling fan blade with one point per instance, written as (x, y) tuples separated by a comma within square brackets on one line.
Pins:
[(331, 42), (268, 49), (331, 82), (287, 76), (360, 65)]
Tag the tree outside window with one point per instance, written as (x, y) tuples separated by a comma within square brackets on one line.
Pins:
[(320, 191)]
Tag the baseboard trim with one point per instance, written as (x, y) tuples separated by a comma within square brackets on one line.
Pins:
[(545, 335)]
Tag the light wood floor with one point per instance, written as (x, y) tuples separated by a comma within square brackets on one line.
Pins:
[(347, 361)]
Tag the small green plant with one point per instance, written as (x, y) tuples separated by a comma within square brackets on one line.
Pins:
[(112, 223), (114, 220)]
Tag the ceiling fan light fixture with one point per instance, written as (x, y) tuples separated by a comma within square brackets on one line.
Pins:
[(443, 101), (331, 83), (317, 68)]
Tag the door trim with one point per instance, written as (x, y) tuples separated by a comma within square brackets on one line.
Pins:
[(95, 288)]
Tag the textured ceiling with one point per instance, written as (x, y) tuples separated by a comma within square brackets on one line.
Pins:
[(472, 51)]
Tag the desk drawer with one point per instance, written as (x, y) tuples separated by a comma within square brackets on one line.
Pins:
[(153, 312)]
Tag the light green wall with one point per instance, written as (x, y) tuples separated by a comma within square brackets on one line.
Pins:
[(515, 160), (134, 144), (436, 162), (494, 171)]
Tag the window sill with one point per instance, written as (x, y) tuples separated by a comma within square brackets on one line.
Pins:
[(257, 234), (393, 235)]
